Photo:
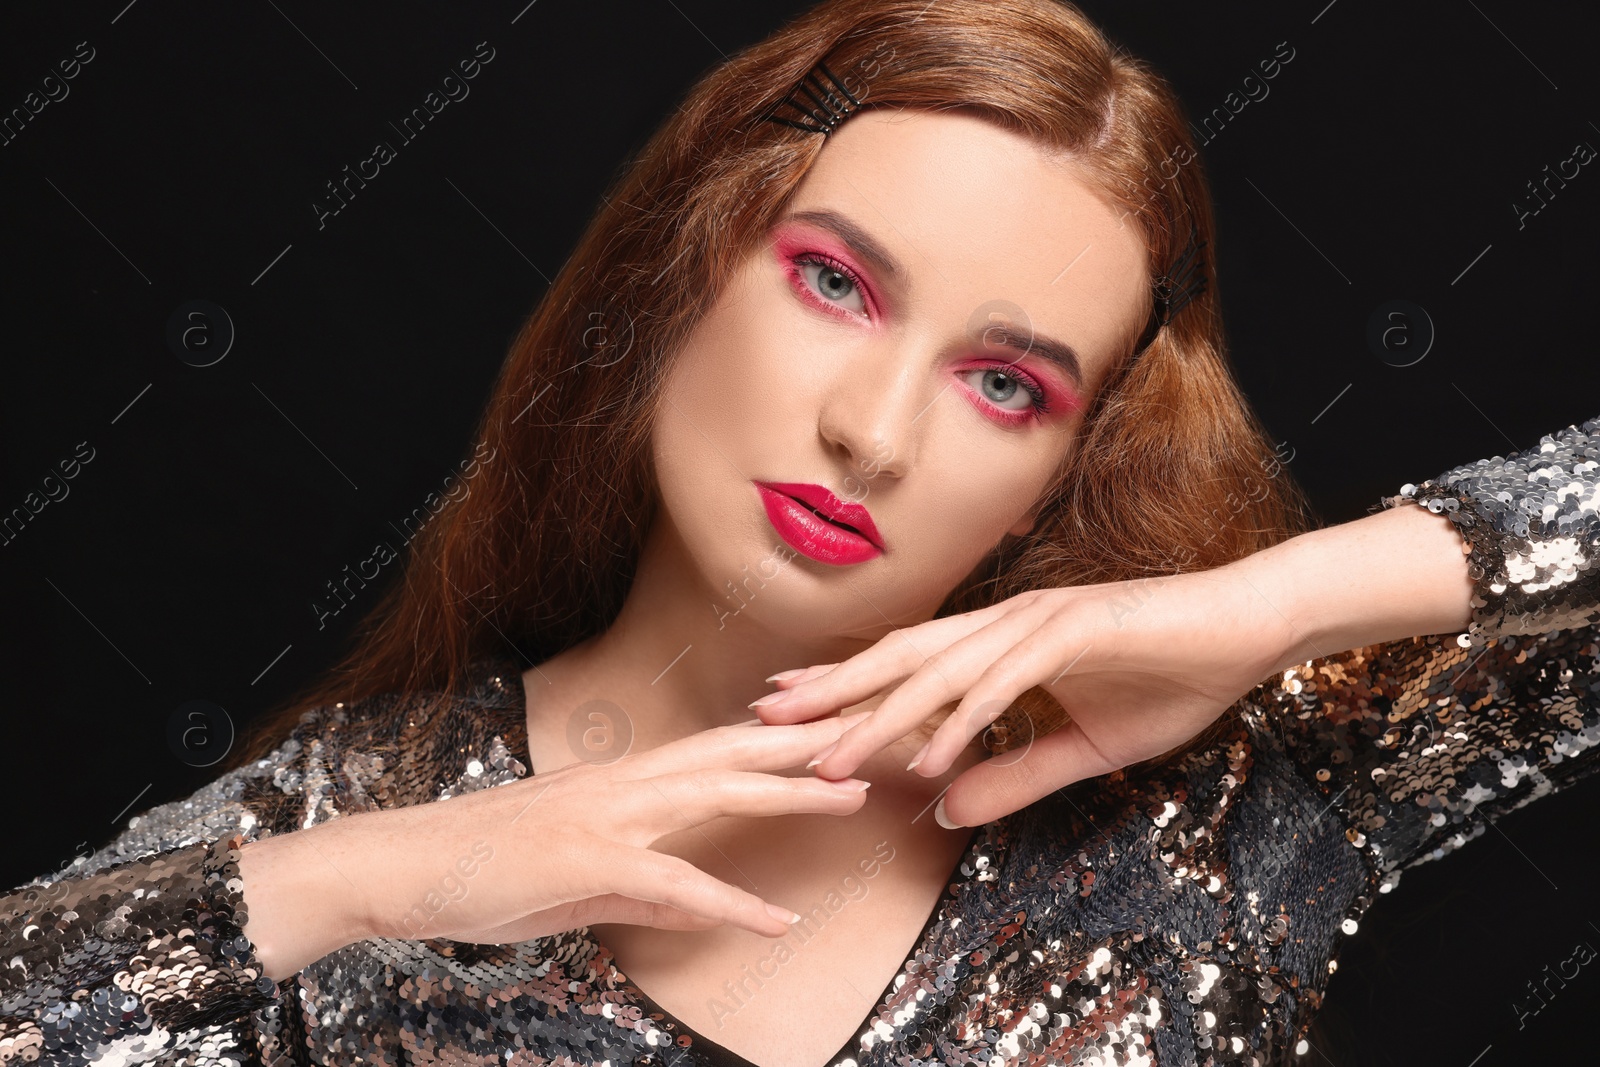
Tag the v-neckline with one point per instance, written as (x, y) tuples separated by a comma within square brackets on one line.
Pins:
[(979, 843), (716, 1055)]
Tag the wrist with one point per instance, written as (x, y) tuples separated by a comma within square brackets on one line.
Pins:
[(1396, 573), (301, 897)]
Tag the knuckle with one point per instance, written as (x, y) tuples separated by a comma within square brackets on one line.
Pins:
[(677, 876), (934, 676), (724, 741), (894, 647), (705, 780), (586, 911), (655, 913), (1003, 673), (1070, 615)]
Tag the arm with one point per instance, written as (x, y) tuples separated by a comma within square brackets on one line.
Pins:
[(1141, 667), (1507, 545), (287, 882), (143, 946), (1393, 574), (1423, 740)]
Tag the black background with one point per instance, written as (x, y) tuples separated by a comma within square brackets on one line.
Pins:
[(1382, 165)]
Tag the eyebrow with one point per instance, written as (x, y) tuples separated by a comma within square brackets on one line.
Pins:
[(1000, 335), (1060, 353), (860, 241)]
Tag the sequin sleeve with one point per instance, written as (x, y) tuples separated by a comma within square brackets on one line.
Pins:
[(138, 950), (1421, 743), (1532, 520)]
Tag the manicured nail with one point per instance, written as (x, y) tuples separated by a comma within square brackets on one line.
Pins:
[(783, 915), (820, 756), (849, 785), (784, 676), (770, 698), (941, 818), (923, 751)]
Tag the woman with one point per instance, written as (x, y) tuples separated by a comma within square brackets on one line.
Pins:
[(890, 391)]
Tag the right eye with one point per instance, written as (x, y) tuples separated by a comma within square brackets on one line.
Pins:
[(831, 283)]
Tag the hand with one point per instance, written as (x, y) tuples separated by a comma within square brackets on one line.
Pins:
[(571, 848), (1140, 667)]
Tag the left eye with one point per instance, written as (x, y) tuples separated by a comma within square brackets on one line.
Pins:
[(1001, 389), (832, 284)]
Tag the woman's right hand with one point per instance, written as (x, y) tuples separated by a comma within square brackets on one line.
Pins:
[(552, 852)]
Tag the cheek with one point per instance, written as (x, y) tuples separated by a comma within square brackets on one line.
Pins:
[(736, 371), (724, 402), (980, 493), (976, 508)]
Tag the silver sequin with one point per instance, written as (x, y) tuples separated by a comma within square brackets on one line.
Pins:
[(1184, 913)]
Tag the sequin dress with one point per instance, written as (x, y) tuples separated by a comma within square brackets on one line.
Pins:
[(1185, 913)]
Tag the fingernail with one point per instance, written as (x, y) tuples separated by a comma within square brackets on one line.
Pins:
[(783, 915), (923, 751), (784, 676), (820, 756), (770, 698), (941, 818), (849, 785)]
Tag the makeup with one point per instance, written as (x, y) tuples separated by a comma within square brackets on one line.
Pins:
[(819, 525)]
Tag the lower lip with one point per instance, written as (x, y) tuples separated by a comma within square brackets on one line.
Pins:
[(812, 535)]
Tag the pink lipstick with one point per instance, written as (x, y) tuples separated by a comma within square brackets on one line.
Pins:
[(818, 524)]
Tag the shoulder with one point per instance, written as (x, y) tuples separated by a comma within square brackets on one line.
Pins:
[(388, 750), (395, 749)]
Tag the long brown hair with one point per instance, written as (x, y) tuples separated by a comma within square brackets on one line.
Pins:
[(1173, 471)]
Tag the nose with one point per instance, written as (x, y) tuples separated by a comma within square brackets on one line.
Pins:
[(871, 416)]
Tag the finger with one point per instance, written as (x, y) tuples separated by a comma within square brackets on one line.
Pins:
[(943, 679), (607, 907), (740, 748), (1034, 659), (890, 660), (1014, 779), (805, 675), (616, 908), (662, 879), (678, 801)]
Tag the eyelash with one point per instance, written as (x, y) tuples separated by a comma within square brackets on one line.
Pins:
[(817, 259), (1041, 403)]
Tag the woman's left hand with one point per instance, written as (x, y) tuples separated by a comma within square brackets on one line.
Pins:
[(1139, 666)]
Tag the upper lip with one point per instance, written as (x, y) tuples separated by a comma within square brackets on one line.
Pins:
[(830, 507)]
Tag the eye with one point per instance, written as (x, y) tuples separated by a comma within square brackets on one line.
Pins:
[(835, 283), (1007, 389)]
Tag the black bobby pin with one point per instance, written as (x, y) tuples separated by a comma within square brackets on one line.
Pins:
[(827, 108), (1183, 281)]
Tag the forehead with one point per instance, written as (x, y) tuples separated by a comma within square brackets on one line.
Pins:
[(977, 214)]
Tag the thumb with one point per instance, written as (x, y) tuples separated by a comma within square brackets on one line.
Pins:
[(1016, 778)]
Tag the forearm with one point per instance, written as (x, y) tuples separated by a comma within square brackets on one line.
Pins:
[(301, 895), (1393, 574)]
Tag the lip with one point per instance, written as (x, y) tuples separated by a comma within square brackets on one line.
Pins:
[(820, 525)]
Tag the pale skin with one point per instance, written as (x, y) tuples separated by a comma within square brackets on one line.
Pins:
[(772, 386), (775, 384)]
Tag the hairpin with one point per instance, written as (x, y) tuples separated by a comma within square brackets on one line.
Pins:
[(827, 108), (1181, 283)]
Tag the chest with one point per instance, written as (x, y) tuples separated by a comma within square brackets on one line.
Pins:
[(794, 1000)]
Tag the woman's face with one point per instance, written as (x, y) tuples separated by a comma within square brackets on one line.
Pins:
[(861, 352)]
